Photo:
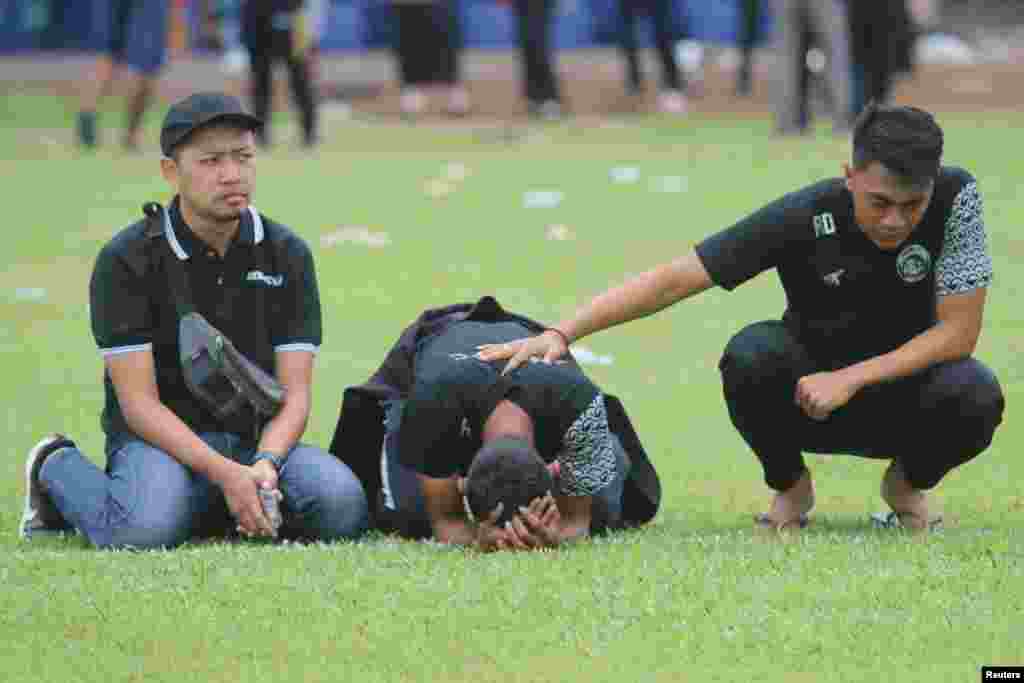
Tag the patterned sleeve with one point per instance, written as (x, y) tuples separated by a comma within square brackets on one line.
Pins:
[(965, 262), (588, 458)]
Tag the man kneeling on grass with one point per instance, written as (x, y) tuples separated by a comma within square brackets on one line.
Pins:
[(195, 447), (459, 452)]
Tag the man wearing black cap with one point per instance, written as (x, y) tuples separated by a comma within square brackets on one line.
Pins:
[(175, 467), (885, 272)]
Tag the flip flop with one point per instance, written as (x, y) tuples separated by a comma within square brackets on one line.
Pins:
[(892, 520), (763, 521)]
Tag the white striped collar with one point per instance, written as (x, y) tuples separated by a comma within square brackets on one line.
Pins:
[(258, 232)]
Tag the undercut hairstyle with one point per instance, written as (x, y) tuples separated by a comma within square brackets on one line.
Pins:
[(507, 470), (907, 141)]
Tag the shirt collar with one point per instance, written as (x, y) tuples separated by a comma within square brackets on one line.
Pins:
[(184, 242)]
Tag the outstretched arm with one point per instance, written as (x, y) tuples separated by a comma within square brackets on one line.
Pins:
[(638, 297)]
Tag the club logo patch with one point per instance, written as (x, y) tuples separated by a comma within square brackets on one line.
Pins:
[(268, 280), (913, 263), (824, 225)]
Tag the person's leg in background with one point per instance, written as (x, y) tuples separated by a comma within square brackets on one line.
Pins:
[(412, 21), (829, 22), (541, 84), (110, 19), (144, 55), (449, 31), (790, 46), (628, 10), (749, 21), (291, 45), (256, 37), (672, 98)]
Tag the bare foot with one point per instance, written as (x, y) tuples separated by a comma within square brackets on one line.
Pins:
[(909, 504), (790, 507)]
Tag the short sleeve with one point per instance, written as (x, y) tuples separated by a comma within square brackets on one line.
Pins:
[(588, 456), (761, 241), (430, 434), (119, 306), (299, 328), (964, 263)]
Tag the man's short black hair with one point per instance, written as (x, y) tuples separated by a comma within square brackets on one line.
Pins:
[(509, 471), (906, 140)]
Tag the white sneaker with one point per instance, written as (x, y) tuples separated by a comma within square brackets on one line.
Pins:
[(41, 515), (672, 102)]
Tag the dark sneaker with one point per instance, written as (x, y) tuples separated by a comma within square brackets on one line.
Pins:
[(892, 520), (41, 515)]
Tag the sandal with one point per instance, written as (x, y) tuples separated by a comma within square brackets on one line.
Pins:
[(893, 520), (763, 521)]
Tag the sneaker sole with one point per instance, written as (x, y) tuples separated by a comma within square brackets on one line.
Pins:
[(29, 513)]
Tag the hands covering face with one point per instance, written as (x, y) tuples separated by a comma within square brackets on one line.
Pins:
[(533, 527)]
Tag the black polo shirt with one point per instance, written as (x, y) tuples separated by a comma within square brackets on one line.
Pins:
[(262, 295), (846, 299), (454, 393)]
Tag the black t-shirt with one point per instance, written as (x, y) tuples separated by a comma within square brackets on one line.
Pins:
[(846, 299), (454, 393), (262, 295)]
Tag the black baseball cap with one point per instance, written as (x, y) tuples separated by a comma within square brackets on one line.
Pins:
[(198, 110)]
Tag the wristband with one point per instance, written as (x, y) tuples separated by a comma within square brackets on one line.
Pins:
[(275, 460), (563, 335)]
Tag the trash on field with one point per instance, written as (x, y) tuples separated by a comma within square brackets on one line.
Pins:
[(669, 183), (356, 234), (558, 232), (588, 357), (455, 172), (545, 199), (29, 294), (625, 174), (438, 189)]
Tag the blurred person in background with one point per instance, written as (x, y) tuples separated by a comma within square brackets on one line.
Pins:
[(797, 24), (427, 45), (882, 39), (540, 80), (131, 34), (222, 33), (672, 98), (747, 36), (275, 30)]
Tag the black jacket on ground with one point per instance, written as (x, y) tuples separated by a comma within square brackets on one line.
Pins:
[(359, 435)]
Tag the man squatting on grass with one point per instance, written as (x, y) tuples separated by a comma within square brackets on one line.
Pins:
[(517, 461), (885, 273), (174, 469)]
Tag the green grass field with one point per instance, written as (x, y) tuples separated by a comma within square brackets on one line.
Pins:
[(694, 596)]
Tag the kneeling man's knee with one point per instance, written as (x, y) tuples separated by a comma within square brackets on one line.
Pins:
[(761, 351)]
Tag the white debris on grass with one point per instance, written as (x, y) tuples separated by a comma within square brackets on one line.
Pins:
[(542, 199), (29, 294), (588, 357), (455, 172), (438, 189), (625, 174), (356, 234), (669, 183), (943, 48), (557, 232)]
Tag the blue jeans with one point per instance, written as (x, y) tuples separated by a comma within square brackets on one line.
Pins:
[(147, 499)]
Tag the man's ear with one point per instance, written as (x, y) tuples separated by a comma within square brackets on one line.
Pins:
[(169, 170), (848, 173)]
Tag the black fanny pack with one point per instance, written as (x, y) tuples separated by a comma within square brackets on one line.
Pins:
[(230, 385)]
